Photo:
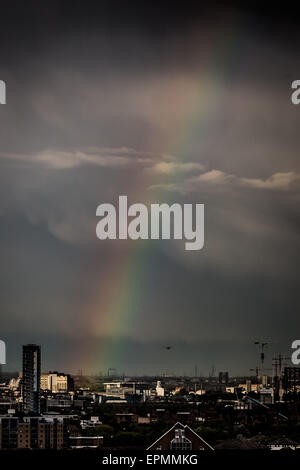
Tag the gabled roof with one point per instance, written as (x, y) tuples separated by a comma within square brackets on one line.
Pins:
[(182, 426)]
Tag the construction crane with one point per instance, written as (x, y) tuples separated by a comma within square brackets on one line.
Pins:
[(262, 369), (279, 361), (257, 371)]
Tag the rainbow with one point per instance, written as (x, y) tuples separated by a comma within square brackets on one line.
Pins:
[(191, 107)]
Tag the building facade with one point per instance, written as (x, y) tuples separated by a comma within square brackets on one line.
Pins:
[(32, 433), (56, 382), (31, 378)]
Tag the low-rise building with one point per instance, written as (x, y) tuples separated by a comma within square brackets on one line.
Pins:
[(284, 444), (180, 437), (122, 389), (126, 418), (90, 423), (85, 442)]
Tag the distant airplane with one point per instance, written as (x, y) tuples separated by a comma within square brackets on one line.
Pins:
[(168, 347)]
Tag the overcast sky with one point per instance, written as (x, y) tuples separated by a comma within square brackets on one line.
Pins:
[(162, 105)]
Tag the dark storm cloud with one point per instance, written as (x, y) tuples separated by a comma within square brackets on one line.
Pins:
[(97, 100)]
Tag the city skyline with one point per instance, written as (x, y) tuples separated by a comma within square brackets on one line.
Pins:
[(194, 370)]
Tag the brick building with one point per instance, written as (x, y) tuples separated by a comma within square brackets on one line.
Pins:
[(32, 433)]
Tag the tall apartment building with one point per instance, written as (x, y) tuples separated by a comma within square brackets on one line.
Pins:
[(45, 432), (223, 378), (291, 379), (31, 378)]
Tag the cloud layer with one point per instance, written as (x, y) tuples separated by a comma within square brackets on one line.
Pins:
[(161, 111)]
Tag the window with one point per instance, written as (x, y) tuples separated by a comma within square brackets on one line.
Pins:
[(180, 441)]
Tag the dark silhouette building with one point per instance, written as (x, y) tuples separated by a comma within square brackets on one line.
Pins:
[(291, 379), (182, 438), (31, 378), (223, 378)]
